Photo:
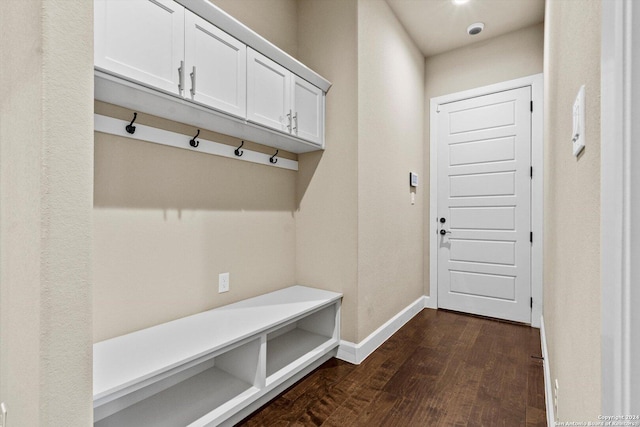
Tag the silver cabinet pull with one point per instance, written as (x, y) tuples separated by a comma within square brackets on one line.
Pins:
[(295, 117), (193, 81), (181, 77), (289, 117)]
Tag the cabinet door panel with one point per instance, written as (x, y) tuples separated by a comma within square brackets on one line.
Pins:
[(140, 39), (268, 92), (308, 107), (221, 66)]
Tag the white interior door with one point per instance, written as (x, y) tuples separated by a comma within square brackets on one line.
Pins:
[(217, 66), (484, 205), (141, 39)]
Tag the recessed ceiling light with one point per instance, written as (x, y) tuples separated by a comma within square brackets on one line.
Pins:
[(474, 29), (460, 1)]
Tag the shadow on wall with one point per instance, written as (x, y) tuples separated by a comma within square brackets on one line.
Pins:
[(129, 173), (307, 165)]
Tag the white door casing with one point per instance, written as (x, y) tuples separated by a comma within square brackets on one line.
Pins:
[(535, 84), (217, 65), (141, 39), (620, 207), (484, 147)]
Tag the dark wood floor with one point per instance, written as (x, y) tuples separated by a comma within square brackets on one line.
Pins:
[(440, 369)]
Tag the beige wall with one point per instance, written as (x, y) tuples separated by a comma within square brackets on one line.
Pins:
[(511, 56), (168, 221), (356, 230), (327, 193), (390, 145), (572, 209), (275, 20), (46, 149)]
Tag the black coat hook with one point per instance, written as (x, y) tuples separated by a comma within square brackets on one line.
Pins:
[(273, 159), (237, 150), (193, 141), (130, 127)]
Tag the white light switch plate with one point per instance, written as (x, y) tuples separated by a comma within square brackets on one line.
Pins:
[(578, 137)]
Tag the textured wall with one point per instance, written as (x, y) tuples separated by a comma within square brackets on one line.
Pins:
[(46, 149), (168, 221), (572, 208), (390, 145), (327, 198), (511, 56), (275, 20)]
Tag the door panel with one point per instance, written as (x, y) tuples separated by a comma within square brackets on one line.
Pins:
[(483, 285), (485, 251), (308, 107), (140, 39), (491, 150), (268, 92), (490, 116), (482, 218), (483, 184), (484, 190), (220, 63)]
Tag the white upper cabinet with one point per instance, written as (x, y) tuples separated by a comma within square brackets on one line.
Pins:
[(268, 92), (142, 40), (189, 61), (308, 111), (279, 99), (216, 64)]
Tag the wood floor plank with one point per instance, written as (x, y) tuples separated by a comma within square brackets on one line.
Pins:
[(441, 369)]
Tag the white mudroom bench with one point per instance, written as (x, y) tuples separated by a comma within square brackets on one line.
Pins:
[(216, 367)]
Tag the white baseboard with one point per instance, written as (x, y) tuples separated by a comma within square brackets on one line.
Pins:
[(548, 387), (357, 353), (430, 302)]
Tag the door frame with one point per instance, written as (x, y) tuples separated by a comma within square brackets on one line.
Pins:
[(620, 203), (537, 184)]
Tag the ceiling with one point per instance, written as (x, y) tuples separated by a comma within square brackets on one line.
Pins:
[(440, 25)]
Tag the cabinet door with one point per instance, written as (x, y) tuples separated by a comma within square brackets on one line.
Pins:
[(142, 40), (216, 67), (268, 92), (308, 111)]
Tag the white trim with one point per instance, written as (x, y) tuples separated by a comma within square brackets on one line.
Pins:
[(537, 184), (620, 185), (429, 302), (357, 353), (548, 388), (113, 126)]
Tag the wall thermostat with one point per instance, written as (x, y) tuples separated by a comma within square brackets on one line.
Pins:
[(413, 179)]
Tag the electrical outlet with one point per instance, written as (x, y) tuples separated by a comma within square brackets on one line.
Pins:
[(555, 399), (223, 283), (3, 415)]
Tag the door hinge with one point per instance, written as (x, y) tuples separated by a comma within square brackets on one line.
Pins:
[(531, 106), (531, 236), (531, 302), (531, 172)]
